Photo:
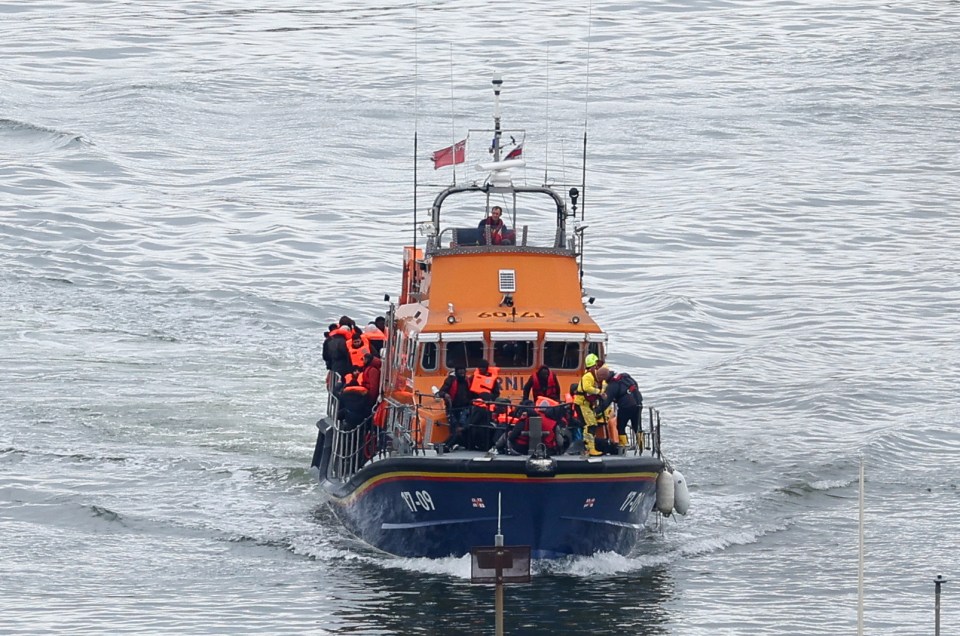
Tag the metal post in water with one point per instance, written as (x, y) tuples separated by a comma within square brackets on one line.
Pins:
[(498, 542), (860, 564), (936, 603)]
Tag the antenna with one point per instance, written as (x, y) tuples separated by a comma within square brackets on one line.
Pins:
[(586, 104), (497, 84)]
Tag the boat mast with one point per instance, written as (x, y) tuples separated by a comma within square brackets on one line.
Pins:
[(497, 83)]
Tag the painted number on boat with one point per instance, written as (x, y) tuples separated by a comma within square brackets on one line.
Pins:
[(418, 500), (504, 314), (632, 502)]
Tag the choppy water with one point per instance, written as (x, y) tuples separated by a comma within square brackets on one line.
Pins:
[(190, 191)]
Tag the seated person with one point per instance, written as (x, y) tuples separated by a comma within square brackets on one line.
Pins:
[(493, 231), (354, 404), (480, 429)]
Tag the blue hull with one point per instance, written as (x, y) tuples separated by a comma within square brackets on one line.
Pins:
[(440, 506)]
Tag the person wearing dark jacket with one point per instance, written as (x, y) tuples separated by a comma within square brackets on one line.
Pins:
[(492, 229), (455, 393), (621, 389), (339, 353), (542, 383), (326, 345)]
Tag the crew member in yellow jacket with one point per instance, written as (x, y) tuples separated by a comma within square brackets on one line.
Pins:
[(587, 397)]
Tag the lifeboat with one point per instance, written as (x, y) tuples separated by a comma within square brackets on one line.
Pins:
[(516, 301)]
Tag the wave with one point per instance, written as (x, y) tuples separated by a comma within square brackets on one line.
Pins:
[(18, 134)]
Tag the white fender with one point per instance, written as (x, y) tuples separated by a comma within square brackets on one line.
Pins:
[(681, 495), (665, 493)]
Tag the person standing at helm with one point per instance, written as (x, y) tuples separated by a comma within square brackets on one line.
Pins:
[(587, 396), (485, 379), (493, 231)]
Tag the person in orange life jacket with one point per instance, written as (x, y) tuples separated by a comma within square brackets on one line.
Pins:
[(623, 390), (375, 338), (492, 229), (507, 420), (455, 393), (551, 413), (354, 403), (485, 380), (358, 349), (542, 382)]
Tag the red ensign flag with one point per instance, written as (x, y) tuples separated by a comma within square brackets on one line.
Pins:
[(457, 153)]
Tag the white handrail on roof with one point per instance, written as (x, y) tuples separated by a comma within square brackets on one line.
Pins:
[(461, 336), (565, 336), (513, 335)]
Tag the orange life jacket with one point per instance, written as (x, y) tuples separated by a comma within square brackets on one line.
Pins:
[(548, 425), (357, 354), (507, 419), (484, 383), (353, 383)]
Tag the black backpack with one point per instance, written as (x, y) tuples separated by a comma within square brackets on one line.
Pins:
[(631, 385)]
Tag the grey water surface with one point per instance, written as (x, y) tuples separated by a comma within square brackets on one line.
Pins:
[(191, 191)]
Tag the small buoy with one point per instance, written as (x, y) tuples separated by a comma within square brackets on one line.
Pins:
[(665, 493), (681, 496)]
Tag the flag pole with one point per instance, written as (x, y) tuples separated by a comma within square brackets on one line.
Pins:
[(453, 122), (415, 193), (416, 112)]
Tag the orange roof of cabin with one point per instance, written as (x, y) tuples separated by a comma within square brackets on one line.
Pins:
[(547, 292)]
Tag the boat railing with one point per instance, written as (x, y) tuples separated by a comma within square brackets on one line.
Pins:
[(649, 439), (346, 456), (470, 238), (403, 432)]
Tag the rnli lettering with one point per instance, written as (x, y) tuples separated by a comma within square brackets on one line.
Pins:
[(504, 314), (418, 500), (512, 383)]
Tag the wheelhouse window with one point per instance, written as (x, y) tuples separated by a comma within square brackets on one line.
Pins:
[(597, 344), (429, 350), (514, 349), (561, 355), (463, 350), (563, 350)]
